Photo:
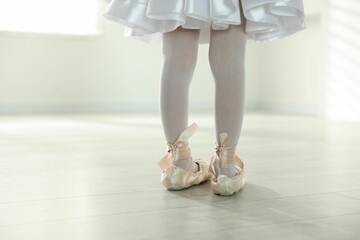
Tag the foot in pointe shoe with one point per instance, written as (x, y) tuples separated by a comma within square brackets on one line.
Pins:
[(224, 158), (173, 176)]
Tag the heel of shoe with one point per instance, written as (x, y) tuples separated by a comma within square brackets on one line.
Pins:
[(225, 186), (222, 184), (169, 178), (176, 178)]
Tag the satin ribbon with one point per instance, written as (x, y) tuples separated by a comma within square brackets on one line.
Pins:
[(179, 148), (225, 153)]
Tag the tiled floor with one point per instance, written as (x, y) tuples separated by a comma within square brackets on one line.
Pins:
[(95, 177)]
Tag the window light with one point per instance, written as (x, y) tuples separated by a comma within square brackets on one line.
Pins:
[(73, 17)]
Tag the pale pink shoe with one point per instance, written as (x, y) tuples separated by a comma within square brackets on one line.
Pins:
[(174, 177), (222, 184)]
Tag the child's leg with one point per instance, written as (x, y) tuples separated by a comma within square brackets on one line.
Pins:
[(180, 48), (227, 55)]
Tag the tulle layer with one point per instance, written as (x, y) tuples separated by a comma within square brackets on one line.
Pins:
[(266, 20)]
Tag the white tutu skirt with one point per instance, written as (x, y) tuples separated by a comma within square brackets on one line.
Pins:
[(266, 20)]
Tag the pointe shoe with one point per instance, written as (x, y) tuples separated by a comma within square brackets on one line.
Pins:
[(177, 178), (222, 184)]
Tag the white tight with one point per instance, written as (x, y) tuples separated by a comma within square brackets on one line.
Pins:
[(226, 56), (180, 49)]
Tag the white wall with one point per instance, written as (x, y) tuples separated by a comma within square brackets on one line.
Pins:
[(316, 71), (54, 73), (342, 79), (110, 73), (291, 75), (291, 71), (49, 73)]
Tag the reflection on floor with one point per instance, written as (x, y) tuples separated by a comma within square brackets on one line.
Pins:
[(95, 177)]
